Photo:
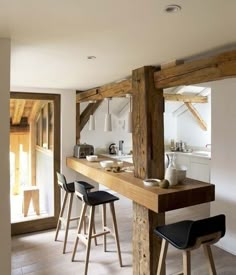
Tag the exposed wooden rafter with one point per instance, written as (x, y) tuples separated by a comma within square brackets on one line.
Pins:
[(89, 110), (197, 116), (38, 104), (110, 90), (18, 111), (185, 98), (212, 68)]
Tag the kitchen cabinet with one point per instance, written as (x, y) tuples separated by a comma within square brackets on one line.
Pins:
[(198, 167)]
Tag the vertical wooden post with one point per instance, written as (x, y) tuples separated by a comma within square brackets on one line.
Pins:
[(148, 156), (77, 123), (32, 153)]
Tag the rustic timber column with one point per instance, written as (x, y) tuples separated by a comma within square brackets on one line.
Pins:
[(77, 123), (148, 156)]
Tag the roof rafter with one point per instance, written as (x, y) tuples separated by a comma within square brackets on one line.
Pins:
[(18, 111)]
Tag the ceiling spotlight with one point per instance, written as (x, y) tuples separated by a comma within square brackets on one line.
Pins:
[(172, 8), (91, 57)]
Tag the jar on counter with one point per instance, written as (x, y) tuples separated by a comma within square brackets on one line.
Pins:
[(171, 171)]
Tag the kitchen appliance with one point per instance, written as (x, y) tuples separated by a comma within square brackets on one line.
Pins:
[(83, 150), (112, 149)]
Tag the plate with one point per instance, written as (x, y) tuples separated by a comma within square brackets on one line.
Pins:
[(151, 182)]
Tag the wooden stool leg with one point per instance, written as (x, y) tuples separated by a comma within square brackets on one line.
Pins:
[(35, 199), (94, 232), (104, 223), (68, 221), (186, 262), (116, 231), (208, 254), (81, 221), (162, 257), (91, 221), (61, 215), (27, 199), (85, 224)]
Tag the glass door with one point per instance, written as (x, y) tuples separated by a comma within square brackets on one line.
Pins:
[(34, 159)]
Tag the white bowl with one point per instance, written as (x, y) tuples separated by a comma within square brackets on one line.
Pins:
[(92, 158), (151, 182), (106, 163)]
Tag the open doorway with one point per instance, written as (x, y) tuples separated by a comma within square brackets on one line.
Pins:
[(34, 159)]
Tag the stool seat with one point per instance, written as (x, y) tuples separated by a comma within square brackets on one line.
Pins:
[(184, 234), (188, 235), (100, 197)]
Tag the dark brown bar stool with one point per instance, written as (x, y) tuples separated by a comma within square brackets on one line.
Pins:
[(92, 200), (69, 189), (188, 235)]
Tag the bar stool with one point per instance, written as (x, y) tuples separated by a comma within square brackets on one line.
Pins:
[(188, 235), (69, 189), (92, 200)]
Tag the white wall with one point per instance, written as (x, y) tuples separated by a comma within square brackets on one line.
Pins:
[(223, 163), (189, 131), (100, 139), (170, 128), (5, 236)]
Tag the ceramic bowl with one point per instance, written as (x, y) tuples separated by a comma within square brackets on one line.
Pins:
[(151, 182), (92, 158), (106, 163)]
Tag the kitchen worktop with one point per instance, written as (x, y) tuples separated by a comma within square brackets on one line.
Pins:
[(190, 193), (120, 157), (198, 154)]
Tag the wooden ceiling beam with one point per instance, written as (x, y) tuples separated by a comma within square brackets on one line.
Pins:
[(110, 90), (89, 110), (38, 104), (197, 116), (217, 67), (186, 98), (18, 111)]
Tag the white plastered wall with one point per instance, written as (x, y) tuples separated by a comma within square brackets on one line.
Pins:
[(5, 236), (223, 163)]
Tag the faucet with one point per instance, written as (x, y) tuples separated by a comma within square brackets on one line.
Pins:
[(121, 142), (208, 145)]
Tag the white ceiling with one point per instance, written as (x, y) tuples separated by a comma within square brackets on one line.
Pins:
[(51, 39)]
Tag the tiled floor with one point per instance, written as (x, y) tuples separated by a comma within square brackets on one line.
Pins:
[(39, 254)]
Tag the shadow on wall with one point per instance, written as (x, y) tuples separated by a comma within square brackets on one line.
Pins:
[(222, 206)]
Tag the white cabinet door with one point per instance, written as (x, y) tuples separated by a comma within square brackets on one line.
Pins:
[(200, 171), (198, 167)]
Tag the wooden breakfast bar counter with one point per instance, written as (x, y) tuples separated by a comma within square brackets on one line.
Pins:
[(149, 205)]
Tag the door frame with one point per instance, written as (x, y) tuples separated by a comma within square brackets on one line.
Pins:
[(50, 222)]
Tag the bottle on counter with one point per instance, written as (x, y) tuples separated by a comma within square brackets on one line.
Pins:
[(171, 171)]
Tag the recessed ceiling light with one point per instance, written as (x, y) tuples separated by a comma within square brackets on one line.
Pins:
[(91, 57), (172, 8)]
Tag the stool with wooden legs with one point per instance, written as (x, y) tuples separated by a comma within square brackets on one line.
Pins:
[(92, 200), (69, 189), (188, 235), (30, 193)]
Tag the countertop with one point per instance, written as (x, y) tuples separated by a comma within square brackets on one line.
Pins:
[(198, 154), (157, 199)]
